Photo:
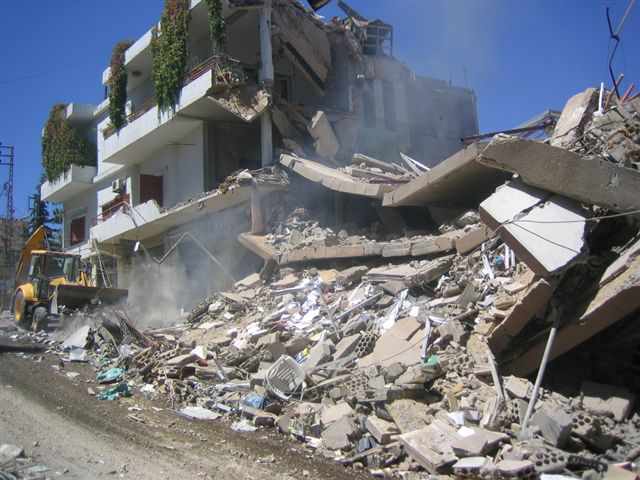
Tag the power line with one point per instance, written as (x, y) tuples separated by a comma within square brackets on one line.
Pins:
[(50, 72)]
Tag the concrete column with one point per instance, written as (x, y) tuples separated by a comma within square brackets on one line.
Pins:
[(266, 54), (135, 186), (266, 79)]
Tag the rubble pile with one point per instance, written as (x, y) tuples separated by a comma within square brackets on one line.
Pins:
[(407, 351)]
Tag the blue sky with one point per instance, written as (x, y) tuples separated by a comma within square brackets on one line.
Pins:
[(521, 57)]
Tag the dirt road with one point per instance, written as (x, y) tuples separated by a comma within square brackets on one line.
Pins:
[(64, 428)]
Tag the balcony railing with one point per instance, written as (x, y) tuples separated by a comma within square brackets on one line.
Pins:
[(193, 74), (108, 212)]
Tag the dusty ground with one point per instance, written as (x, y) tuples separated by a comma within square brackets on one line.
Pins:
[(64, 428)]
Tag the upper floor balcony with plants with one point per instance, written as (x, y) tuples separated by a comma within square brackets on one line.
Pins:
[(158, 85), (68, 156)]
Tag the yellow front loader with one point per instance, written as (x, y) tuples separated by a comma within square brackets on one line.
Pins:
[(47, 280)]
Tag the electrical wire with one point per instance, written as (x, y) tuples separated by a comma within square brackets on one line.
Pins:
[(50, 72)]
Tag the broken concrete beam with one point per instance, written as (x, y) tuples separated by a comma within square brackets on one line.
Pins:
[(616, 299), (396, 249), (546, 233), (359, 158), (594, 181), (325, 141), (334, 179), (473, 239), (458, 180), (575, 115), (258, 245), (423, 273), (429, 246), (608, 400), (529, 303), (382, 430), (318, 253)]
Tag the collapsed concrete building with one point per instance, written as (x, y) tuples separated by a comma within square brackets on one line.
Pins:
[(379, 280), (393, 328), (320, 90)]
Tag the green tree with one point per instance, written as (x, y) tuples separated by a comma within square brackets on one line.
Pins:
[(39, 215)]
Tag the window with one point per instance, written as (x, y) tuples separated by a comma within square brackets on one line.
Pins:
[(76, 231), (120, 204), (151, 188)]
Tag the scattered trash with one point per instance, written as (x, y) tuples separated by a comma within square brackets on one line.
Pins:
[(121, 390)]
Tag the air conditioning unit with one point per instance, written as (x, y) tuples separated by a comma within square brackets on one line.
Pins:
[(118, 185)]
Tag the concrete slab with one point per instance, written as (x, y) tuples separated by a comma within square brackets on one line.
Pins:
[(575, 115), (529, 302), (334, 179), (431, 446), (473, 239), (546, 233), (593, 181), (459, 180)]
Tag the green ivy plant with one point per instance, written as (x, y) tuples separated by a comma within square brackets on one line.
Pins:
[(63, 145), (118, 85), (217, 27), (228, 72), (170, 51)]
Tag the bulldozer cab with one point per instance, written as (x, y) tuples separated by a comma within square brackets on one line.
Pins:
[(48, 269), (52, 265)]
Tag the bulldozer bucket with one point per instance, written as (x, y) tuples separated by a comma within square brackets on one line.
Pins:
[(76, 296)]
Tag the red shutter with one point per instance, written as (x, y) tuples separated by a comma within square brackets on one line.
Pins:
[(151, 188)]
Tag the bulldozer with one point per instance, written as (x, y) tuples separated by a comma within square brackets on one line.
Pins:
[(46, 281)]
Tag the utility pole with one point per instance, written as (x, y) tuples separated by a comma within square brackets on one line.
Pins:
[(6, 158)]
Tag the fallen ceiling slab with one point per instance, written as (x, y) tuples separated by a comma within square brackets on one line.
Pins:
[(334, 179), (590, 180), (546, 232), (458, 180)]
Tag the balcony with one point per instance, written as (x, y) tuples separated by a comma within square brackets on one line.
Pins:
[(147, 129), (124, 222), (73, 182)]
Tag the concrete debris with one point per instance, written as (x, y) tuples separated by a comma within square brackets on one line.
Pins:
[(370, 332)]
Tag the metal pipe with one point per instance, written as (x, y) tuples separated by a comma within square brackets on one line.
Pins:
[(543, 365)]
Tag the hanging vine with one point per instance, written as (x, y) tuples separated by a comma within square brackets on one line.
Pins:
[(118, 85), (63, 145), (217, 27), (228, 72), (170, 51)]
